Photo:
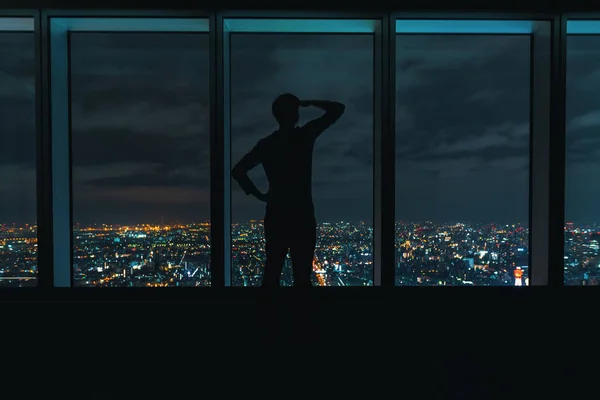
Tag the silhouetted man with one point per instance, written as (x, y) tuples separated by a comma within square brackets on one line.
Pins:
[(286, 156)]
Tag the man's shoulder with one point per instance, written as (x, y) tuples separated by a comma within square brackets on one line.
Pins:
[(269, 139), (264, 141), (306, 131)]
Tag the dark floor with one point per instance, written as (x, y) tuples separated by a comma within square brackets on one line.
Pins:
[(430, 345)]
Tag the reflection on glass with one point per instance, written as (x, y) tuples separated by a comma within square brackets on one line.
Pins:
[(18, 222), (140, 152), (462, 159), (311, 66)]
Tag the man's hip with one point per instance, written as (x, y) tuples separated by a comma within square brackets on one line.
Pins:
[(290, 226)]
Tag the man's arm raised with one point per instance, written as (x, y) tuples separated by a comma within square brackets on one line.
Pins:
[(333, 112)]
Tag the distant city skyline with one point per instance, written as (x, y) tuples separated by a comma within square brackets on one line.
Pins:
[(583, 225), (140, 125), (426, 254)]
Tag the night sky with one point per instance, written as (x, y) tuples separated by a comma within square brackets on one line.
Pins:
[(140, 105), (462, 128), (141, 121)]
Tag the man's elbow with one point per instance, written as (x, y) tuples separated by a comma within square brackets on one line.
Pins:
[(237, 173), (339, 110)]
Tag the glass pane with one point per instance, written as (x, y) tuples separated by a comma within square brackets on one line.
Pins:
[(462, 159), (582, 231), (336, 67), (140, 152), (18, 221)]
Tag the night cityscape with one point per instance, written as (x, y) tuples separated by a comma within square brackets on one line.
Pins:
[(427, 254)]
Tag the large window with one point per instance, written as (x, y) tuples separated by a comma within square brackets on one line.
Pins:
[(462, 154), (156, 125), (582, 215), (18, 222), (140, 158), (319, 65)]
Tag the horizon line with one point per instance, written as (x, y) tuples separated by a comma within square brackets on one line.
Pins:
[(175, 223)]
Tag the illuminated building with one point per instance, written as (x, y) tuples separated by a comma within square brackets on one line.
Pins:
[(518, 276)]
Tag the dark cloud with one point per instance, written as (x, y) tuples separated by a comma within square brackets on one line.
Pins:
[(140, 120), (17, 143), (583, 126), (462, 127), (188, 176), (141, 124), (102, 146), (17, 128), (361, 151), (17, 99)]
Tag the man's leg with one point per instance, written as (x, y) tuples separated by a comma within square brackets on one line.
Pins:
[(276, 252), (276, 249), (303, 252)]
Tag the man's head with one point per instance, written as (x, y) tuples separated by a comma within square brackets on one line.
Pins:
[(285, 109)]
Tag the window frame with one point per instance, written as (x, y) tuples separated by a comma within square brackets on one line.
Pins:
[(251, 24), (41, 219), (56, 26), (561, 145), (544, 112)]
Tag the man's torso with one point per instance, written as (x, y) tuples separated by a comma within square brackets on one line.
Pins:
[(287, 160)]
